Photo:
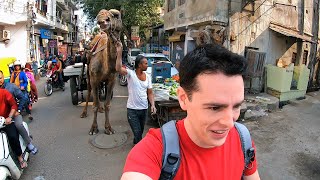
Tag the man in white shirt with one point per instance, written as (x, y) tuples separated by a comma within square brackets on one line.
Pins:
[(140, 90)]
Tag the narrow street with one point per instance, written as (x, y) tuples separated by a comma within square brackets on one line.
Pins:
[(287, 141), (63, 139)]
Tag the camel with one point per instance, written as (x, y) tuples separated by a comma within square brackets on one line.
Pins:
[(101, 65)]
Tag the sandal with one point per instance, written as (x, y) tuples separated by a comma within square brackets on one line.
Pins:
[(23, 164)]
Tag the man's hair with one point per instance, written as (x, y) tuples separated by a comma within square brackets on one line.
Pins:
[(1, 72), (208, 59), (138, 61)]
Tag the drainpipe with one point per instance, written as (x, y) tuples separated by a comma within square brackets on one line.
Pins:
[(228, 26), (301, 32), (314, 46)]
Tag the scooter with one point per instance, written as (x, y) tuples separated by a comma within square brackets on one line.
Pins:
[(9, 164), (52, 82)]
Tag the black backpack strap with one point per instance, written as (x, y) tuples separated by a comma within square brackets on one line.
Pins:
[(171, 151), (246, 144)]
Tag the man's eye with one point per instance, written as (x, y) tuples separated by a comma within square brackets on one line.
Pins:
[(215, 108)]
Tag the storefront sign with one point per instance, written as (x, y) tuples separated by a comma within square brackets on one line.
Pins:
[(63, 51), (52, 43), (134, 33), (45, 34)]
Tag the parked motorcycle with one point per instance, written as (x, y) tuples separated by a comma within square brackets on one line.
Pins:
[(9, 165), (52, 82)]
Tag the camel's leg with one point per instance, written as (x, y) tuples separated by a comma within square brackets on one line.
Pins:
[(84, 112), (107, 126), (94, 127)]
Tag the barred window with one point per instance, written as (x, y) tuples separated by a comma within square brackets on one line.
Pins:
[(171, 5), (181, 2)]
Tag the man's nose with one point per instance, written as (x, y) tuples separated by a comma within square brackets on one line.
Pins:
[(228, 118)]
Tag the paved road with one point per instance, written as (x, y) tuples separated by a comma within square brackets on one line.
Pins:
[(287, 141), (63, 140)]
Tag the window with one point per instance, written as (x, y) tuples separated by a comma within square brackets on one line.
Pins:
[(305, 57), (41, 6), (171, 5), (181, 2), (294, 58)]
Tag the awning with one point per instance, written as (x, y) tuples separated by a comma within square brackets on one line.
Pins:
[(177, 36), (290, 33)]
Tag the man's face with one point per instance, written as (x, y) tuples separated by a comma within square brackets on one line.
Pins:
[(144, 64), (17, 68), (213, 109), (1, 79)]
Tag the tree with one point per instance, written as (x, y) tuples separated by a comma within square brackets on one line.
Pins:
[(142, 13)]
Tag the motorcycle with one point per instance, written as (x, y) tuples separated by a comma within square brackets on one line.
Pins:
[(43, 70), (9, 165), (52, 82)]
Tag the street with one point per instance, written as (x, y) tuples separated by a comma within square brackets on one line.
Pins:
[(63, 139), (287, 140)]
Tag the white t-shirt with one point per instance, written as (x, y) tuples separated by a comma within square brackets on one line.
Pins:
[(138, 98)]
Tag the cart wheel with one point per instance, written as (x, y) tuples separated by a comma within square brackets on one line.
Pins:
[(74, 91)]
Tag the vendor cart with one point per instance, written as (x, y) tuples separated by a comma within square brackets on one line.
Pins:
[(78, 82), (168, 107)]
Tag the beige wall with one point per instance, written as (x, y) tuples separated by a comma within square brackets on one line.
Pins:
[(254, 30), (194, 12)]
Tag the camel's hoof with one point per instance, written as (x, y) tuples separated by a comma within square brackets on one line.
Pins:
[(109, 131), (83, 115), (93, 131), (101, 110)]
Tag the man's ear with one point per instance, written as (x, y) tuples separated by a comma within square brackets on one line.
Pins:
[(182, 98)]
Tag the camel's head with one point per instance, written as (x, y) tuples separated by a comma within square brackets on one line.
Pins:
[(110, 21)]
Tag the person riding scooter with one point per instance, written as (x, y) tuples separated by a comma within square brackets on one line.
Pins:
[(8, 107), (56, 67), (17, 94), (19, 78)]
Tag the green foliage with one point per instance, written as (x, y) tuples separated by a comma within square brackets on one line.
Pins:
[(143, 13)]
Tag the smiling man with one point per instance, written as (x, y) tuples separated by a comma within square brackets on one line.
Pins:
[(212, 91)]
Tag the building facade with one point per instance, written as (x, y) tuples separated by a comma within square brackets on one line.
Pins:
[(38, 28), (282, 30)]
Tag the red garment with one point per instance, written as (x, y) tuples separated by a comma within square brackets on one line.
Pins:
[(7, 103), (223, 162)]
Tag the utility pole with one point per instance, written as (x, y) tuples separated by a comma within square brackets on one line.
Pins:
[(314, 45), (30, 32)]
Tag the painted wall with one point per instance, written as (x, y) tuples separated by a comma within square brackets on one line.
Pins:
[(194, 12), (17, 46), (248, 30)]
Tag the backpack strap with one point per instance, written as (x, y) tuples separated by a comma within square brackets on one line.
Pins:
[(246, 144), (171, 151)]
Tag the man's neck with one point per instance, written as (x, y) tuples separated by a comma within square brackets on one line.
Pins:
[(139, 71)]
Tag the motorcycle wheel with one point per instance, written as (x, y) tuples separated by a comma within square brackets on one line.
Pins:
[(123, 80), (42, 73), (48, 89)]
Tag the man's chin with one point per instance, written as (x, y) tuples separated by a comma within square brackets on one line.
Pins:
[(217, 143)]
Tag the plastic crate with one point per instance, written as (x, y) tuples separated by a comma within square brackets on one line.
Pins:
[(161, 69)]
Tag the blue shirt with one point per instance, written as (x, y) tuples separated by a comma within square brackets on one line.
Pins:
[(16, 93)]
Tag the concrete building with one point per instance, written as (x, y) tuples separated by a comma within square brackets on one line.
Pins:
[(37, 28), (278, 30)]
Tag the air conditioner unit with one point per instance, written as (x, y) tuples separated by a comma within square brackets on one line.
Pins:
[(5, 35)]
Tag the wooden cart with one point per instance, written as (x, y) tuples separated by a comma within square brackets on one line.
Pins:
[(168, 108)]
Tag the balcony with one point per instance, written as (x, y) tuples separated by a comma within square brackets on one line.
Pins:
[(62, 26)]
